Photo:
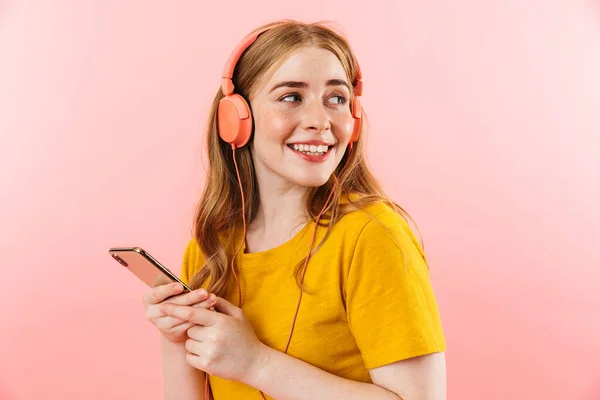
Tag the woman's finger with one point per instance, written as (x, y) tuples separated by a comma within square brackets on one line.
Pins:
[(200, 333), (153, 311), (161, 293), (189, 298), (209, 303), (164, 323), (198, 315), (179, 329)]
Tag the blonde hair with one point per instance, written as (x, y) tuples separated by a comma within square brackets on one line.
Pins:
[(219, 211)]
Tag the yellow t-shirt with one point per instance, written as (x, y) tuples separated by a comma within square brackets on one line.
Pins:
[(372, 301)]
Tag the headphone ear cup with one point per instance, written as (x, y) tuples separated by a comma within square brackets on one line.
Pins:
[(357, 116), (234, 120)]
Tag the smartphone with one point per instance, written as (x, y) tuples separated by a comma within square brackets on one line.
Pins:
[(144, 266)]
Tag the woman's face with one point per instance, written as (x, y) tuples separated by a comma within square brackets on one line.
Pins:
[(302, 120)]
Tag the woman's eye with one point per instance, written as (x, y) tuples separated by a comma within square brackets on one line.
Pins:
[(342, 99), (289, 96)]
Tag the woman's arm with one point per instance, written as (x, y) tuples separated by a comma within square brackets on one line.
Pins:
[(417, 378), (181, 381), (286, 378)]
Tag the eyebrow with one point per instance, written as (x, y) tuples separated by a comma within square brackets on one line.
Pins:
[(303, 85)]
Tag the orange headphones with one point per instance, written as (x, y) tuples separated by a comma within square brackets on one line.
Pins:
[(234, 124), (234, 117)]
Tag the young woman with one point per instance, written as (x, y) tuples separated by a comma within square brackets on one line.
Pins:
[(309, 283)]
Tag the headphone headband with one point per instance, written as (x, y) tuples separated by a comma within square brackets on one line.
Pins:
[(237, 52), (227, 84)]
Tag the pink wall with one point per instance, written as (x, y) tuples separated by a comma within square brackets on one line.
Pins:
[(485, 124)]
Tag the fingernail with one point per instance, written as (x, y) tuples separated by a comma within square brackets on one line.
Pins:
[(176, 286), (202, 292)]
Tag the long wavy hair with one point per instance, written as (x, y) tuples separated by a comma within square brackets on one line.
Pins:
[(219, 211)]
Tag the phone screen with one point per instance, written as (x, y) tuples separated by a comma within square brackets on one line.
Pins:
[(144, 266)]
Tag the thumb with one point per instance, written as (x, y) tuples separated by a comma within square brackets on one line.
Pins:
[(225, 307)]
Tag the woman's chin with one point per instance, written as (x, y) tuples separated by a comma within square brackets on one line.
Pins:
[(311, 181)]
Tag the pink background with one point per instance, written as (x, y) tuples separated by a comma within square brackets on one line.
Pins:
[(485, 121)]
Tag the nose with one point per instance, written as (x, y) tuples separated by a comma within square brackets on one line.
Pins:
[(315, 117)]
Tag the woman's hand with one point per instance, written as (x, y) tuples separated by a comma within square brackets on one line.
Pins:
[(220, 343), (174, 329)]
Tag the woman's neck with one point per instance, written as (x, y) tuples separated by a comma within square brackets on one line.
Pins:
[(281, 215)]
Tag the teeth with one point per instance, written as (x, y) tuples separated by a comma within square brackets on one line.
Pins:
[(311, 149)]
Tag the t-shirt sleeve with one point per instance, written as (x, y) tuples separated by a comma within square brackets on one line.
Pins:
[(390, 303)]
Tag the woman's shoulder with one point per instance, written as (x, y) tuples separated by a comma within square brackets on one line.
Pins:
[(192, 249), (366, 210), (193, 253), (382, 227), (380, 220), (193, 259)]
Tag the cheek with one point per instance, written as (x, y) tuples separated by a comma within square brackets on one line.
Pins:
[(345, 127), (274, 125)]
